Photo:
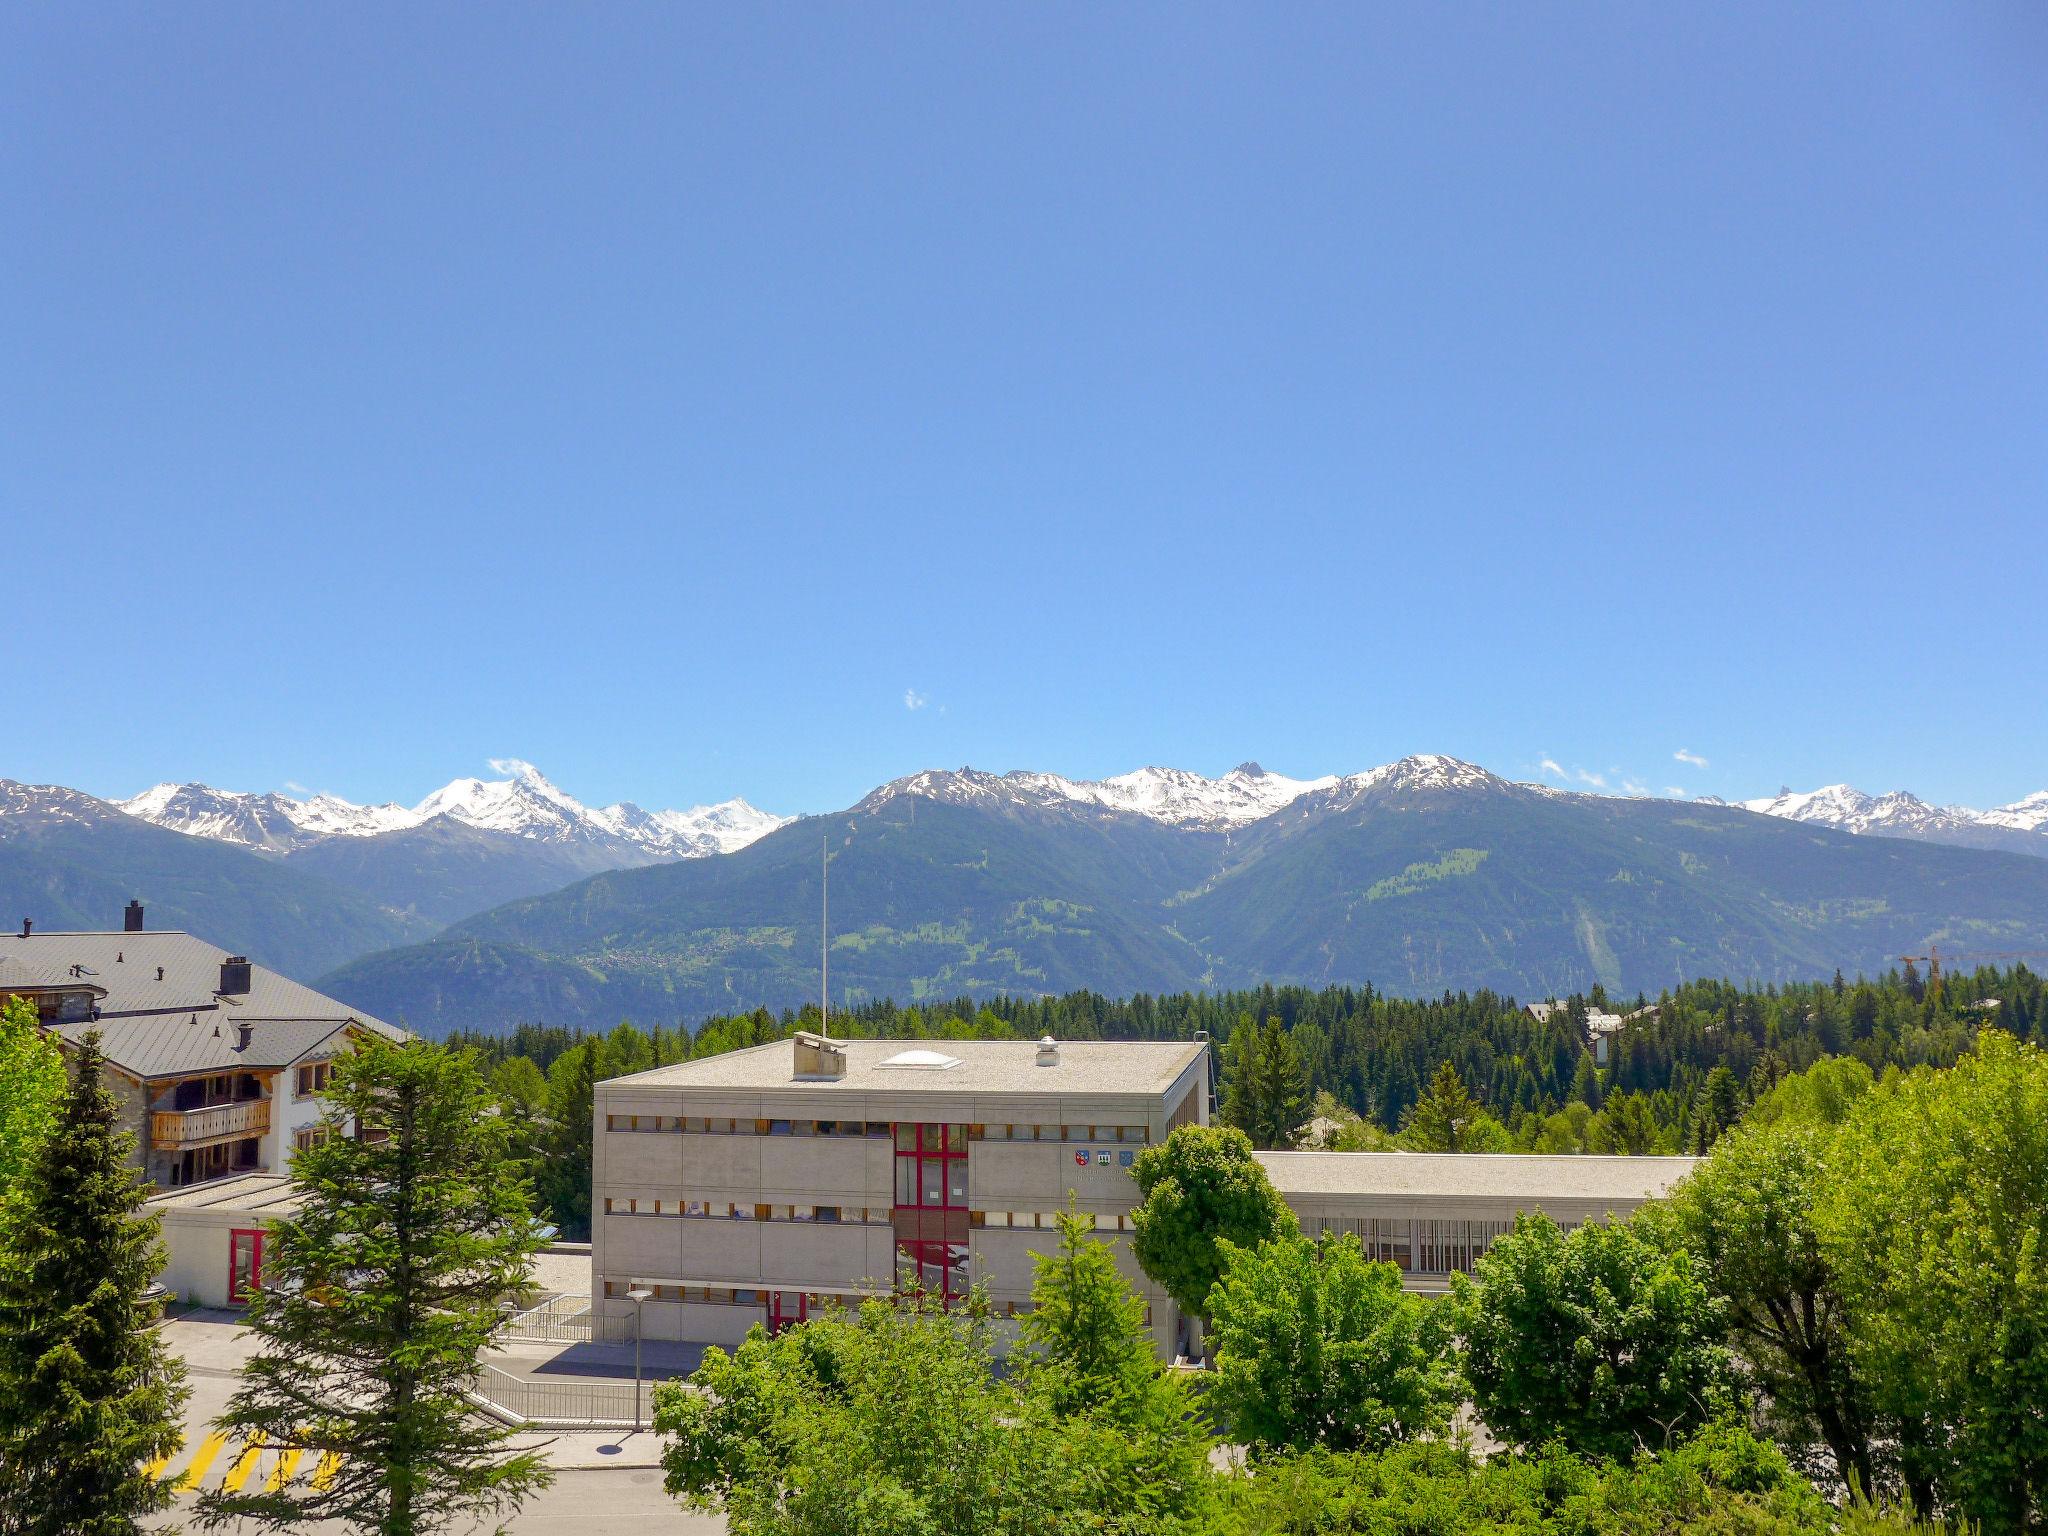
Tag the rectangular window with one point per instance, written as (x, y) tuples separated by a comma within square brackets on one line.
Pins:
[(826, 1212), (311, 1136), (313, 1078)]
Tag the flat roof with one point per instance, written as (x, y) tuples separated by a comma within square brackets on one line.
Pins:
[(254, 1194), (978, 1066), (1497, 1175)]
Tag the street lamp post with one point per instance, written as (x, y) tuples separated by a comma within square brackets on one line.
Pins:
[(637, 1295)]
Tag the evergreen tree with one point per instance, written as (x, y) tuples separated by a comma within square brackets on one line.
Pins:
[(1448, 1119), (380, 1297), (1086, 1325), (88, 1392), (564, 1174), (1266, 1089)]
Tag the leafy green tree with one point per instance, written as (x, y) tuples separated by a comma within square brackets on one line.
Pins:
[(88, 1392), (1199, 1186), (1448, 1119), (895, 1422), (1317, 1346), (1600, 1337), (1935, 1220), (1265, 1084), (1747, 1212), (1821, 1095), (1722, 1482), (31, 1089), (380, 1296)]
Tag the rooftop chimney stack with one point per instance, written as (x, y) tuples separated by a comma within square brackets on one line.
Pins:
[(1048, 1052), (234, 976), (131, 918), (27, 925), (819, 1056), (244, 1033)]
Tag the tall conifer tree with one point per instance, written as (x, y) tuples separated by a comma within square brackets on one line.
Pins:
[(380, 1297), (88, 1392)]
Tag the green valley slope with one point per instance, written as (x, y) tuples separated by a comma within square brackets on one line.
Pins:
[(1408, 879)]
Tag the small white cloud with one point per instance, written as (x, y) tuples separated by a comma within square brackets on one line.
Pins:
[(293, 786), (1551, 766), (1683, 756), (1598, 781), (1678, 792), (517, 767), (912, 699), (1631, 787)]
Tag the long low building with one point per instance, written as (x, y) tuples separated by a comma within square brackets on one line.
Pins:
[(753, 1186)]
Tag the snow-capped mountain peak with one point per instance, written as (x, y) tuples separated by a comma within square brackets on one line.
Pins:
[(1177, 797), (525, 804), (2021, 827)]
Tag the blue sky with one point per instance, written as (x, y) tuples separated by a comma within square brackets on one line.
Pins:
[(670, 395)]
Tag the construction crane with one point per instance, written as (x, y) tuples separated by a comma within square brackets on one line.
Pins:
[(1932, 959)]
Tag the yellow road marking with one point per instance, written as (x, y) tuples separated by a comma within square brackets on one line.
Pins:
[(238, 1474), (281, 1474), (209, 1448), (154, 1467), (324, 1474)]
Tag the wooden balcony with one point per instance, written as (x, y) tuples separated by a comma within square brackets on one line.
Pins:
[(174, 1130)]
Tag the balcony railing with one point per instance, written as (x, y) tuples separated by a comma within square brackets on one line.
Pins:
[(172, 1129)]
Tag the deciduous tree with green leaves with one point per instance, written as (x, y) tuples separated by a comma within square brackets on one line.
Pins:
[(1317, 1346), (1199, 1186), (1602, 1337), (380, 1296), (31, 1090), (88, 1391), (1747, 1212), (1935, 1220)]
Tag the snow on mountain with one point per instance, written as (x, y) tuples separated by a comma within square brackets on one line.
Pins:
[(525, 805), (1177, 797), (1899, 814), (2027, 815)]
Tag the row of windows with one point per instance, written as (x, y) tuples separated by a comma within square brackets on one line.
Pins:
[(1429, 1246), (846, 1215), (743, 1296), (904, 1134), (721, 1210)]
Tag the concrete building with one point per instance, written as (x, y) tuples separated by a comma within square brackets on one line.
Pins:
[(743, 1188), (220, 1065), (1434, 1213)]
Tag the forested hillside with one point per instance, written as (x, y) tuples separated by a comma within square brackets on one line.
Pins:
[(1429, 875)]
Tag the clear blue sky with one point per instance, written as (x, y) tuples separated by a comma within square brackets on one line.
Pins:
[(664, 393)]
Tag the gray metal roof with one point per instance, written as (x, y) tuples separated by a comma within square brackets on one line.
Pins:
[(258, 1194), (182, 1023)]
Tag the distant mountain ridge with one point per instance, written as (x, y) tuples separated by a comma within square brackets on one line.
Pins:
[(524, 804), (2021, 827), (1424, 875)]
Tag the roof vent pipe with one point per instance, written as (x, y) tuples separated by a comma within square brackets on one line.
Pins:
[(1048, 1052), (244, 1032), (27, 925)]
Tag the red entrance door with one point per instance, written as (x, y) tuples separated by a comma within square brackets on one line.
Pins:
[(786, 1309), (245, 1264)]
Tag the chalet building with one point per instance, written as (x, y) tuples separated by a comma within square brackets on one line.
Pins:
[(756, 1185), (220, 1066)]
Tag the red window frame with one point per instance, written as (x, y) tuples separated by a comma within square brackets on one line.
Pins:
[(927, 1166), (242, 1283)]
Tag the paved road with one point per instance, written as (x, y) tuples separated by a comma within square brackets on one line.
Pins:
[(581, 1503)]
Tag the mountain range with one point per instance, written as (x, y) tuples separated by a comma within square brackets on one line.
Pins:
[(1425, 875), (492, 901)]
